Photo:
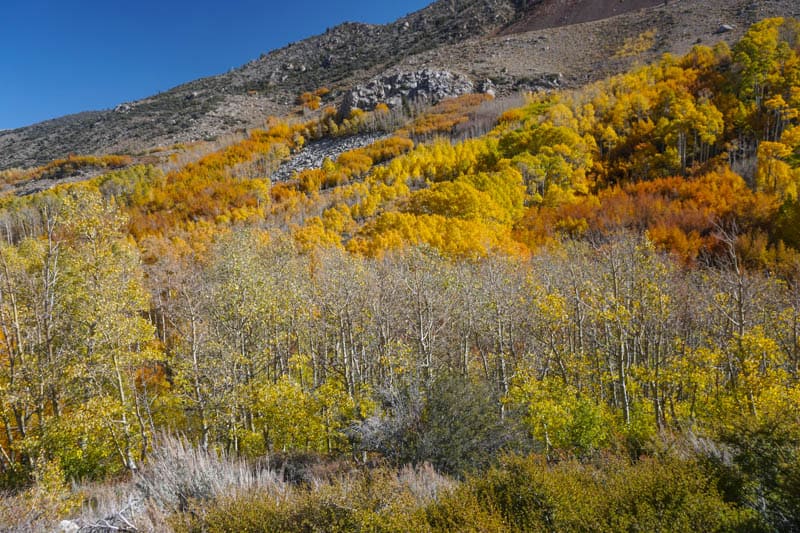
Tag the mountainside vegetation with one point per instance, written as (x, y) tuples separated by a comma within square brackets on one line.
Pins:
[(516, 45), (581, 313)]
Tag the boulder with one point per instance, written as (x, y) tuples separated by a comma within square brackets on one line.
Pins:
[(68, 526), (487, 87)]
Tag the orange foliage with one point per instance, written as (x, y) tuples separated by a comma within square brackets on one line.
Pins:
[(205, 190), (386, 149), (152, 378), (679, 214), (446, 115), (354, 163), (282, 192), (309, 100), (71, 166)]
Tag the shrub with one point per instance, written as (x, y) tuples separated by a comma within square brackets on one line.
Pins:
[(613, 495), (178, 473), (366, 500), (763, 470), (456, 426)]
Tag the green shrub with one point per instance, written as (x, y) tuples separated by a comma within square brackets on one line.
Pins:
[(763, 472), (464, 511), (521, 494), (614, 495)]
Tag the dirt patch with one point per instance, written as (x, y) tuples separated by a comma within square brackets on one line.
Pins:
[(556, 13)]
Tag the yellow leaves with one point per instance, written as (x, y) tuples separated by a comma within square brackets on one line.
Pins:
[(290, 416), (311, 180), (297, 418), (452, 236), (553, 306), (791, 137), (700, 365), (708, 122), (779, 105), (505, 187), (442, 160), (634, 46), (457, 200), (311, 100), (559, 416), (552, 160), (774, 175), (314, 234), (51, 496), (338, 219), (745, 376), (699, 58)]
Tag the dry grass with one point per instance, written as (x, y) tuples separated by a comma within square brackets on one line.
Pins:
[(176, 474), (180, 477), (179, 472), (425, 483)]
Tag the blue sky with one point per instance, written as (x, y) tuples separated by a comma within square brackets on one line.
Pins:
[(65, 56)]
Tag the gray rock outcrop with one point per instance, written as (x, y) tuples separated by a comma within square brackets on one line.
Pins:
[(427, 85), (315, 153)]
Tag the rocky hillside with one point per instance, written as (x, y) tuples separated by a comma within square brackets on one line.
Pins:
[(573, 55), (242, 98), (515, 44)]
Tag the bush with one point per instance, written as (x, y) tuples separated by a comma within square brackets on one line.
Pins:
[(463, 511), (462, 428), (367, 500), (455, 425), (178, 473), (614, 495), (762, 471)]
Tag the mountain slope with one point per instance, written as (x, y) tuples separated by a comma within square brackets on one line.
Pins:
[(245, 96), (480, 38), (541, 15)]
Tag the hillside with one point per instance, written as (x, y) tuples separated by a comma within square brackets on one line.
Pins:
[(493, 44), (572, 310), (266, 86), (540, 15)]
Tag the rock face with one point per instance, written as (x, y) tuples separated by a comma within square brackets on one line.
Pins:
[(428, 86)]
